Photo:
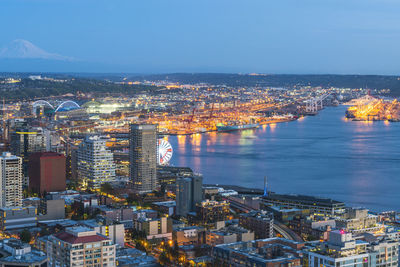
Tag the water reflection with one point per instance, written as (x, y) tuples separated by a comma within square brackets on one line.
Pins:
[(323, 155)]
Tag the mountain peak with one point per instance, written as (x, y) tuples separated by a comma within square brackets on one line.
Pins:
[(23, 49)]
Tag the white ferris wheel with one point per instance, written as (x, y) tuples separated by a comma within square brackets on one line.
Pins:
[(164, 151)]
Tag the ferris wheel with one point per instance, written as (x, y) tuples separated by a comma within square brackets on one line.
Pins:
[(164, 151)]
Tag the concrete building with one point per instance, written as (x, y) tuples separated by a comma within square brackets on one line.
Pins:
[(10, 180), (212, 211), (321, 206), (47, 172), (227, 235), (260, 222), (17, 217), (143, 153), (80, 246), (188, 194), (154, 228), (358, 220), (51, 207), (115, 232), (25, 141), (165, 207), (343, 250), (95, 162), (261, 253), (189, 235), (17, 253)]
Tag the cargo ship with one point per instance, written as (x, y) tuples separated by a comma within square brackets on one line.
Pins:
[(236, 127)]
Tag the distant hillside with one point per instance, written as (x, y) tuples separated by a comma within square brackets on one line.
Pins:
[(283, 80), (28, 89)]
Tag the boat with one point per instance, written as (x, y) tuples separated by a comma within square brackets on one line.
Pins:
[(236, 127)]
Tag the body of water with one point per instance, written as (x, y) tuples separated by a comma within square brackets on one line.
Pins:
[(324, 155)]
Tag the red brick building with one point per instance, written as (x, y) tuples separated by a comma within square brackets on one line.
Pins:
[(46, 172)]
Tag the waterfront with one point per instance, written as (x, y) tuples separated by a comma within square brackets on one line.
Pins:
[(324, 155)]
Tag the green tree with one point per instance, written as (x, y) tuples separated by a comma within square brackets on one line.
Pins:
[(106, 188)]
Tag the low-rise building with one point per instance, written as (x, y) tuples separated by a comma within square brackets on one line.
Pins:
[(260, 222), (342, 249), (190, 235), (17, 217), (261, 253), (166, 207), (132, 257), (317, 205), (17, 253), (154, 228), (212, 211), (115, 232), (358, 220), (226, 235)]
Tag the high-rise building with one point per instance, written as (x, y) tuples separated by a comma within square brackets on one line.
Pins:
[(188, 194), (46, 172), (26, 141), (95, 162), (80, 246), (143, 157), (10, 180)]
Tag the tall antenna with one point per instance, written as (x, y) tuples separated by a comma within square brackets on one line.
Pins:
[(265, 186)]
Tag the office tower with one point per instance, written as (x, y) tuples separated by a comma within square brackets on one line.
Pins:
[(26, 141), (11, 180), (46, 172), (188, 194), (94, 163), (143, 157), (80, 246)]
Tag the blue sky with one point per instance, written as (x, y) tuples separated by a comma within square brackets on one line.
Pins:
[(268, 36)]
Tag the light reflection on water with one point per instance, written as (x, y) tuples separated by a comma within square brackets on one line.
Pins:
[(323, 155)]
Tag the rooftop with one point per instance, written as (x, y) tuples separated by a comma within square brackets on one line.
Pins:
[(78, 235)]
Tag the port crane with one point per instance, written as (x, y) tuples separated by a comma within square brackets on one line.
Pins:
[(316, 103)]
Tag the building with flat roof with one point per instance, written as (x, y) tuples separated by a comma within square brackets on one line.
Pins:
[(188, 194), (229, 234), (261, 253), (80, 246), (317, 205), (212, 211), (25, 141), (342, 249), (189, 235), (17, 253), (114, 231), (166, 207), (17, 218), (154, 228), (47, 172), (11, 179), (260, 222), (95, 162), (143, 145), (358, 220)]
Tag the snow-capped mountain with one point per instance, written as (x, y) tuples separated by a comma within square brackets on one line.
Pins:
[(23, 49)]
